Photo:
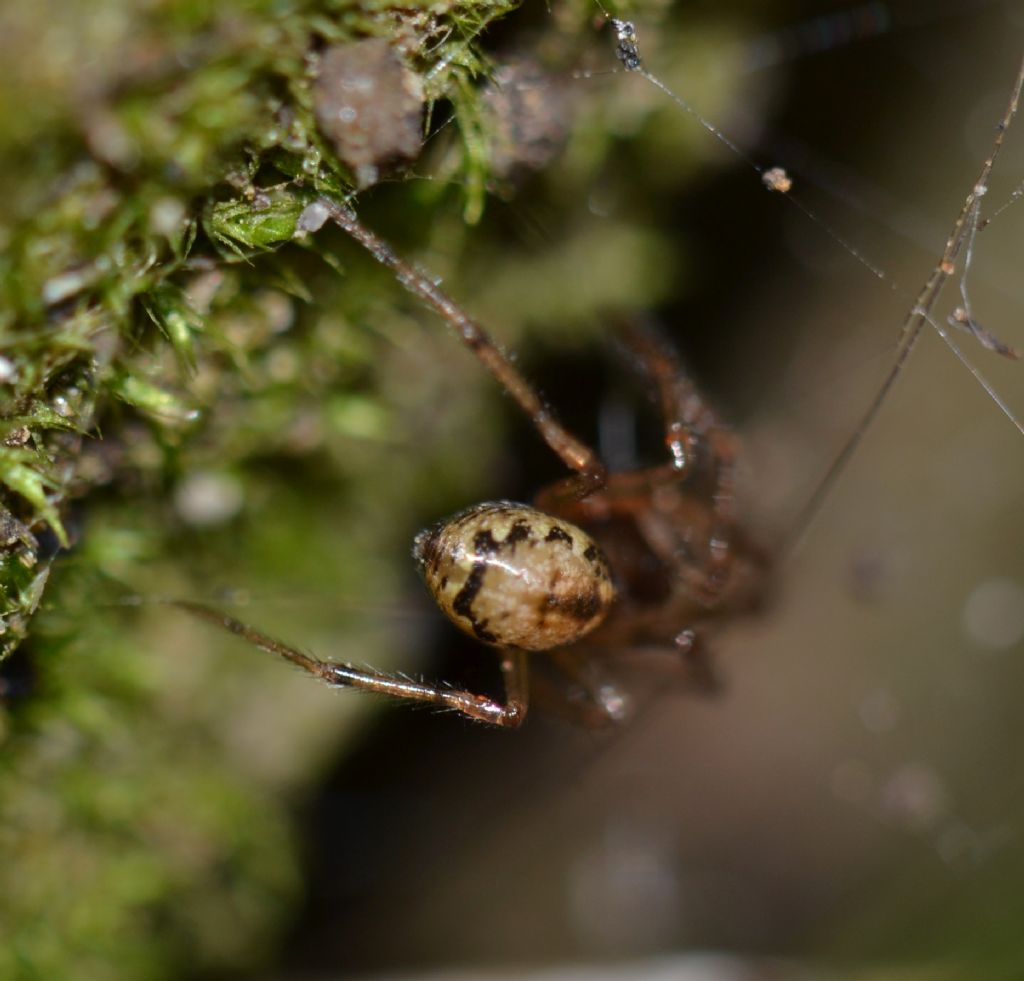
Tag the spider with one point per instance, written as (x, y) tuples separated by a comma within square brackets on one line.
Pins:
[(601, 560)]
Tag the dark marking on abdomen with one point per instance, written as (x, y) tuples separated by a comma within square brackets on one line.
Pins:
[(558, 535), (463, 602)]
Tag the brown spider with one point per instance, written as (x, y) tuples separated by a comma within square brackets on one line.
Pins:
[(661, 555)]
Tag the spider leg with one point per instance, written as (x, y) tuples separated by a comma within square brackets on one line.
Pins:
[(690, 425), (689, 420), (574, 453), (589, 699), (509, 714), (698, 664)]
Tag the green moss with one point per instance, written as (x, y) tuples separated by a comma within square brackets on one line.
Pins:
[(190, 101)]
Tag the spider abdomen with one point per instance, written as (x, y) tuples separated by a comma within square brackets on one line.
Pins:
[(513, 576)]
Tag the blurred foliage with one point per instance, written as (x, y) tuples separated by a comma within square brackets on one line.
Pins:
[(194, 395)]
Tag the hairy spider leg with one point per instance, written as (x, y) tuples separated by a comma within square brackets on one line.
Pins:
[(480, 708), (574, 453)]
